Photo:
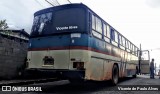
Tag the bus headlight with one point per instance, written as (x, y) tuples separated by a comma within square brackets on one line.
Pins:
[(78, 65)]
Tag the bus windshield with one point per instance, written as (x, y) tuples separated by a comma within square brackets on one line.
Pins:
[(59, 21)]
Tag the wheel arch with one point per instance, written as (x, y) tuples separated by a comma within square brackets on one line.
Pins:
[(115, 76), (118, 65)]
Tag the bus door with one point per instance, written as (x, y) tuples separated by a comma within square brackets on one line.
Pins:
[(145, 67)]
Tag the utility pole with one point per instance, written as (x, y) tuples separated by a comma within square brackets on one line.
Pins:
[(139, 66), (155, 68)]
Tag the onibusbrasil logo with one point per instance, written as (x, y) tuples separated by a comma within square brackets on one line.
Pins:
[(18, 88)]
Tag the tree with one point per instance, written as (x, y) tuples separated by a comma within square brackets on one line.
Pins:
[(3, 25)]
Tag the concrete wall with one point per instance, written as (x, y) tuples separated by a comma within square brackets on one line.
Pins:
[(12, 56)]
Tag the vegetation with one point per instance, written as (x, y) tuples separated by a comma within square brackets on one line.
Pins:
[(3, 25)]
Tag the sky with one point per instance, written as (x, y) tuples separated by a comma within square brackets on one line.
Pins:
[(137, 20)]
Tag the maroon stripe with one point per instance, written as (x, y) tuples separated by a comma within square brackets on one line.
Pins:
[(53, 48), (59, 48), (70, 48)]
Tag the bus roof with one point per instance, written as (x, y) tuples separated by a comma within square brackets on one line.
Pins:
[(74, 5), (51, 9)]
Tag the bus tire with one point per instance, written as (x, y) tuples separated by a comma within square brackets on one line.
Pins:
[(115, 74), (134, 76)]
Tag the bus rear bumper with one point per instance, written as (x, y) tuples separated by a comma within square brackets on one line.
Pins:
[(61, 73), (41, 73), (73, 74)]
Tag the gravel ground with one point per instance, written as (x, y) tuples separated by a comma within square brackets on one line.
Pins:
[(60, 87)]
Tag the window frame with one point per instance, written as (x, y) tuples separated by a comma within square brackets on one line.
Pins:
[(123, 41), (108, 31), (104, 29), (129, 43), (97, 28), (112, 35), (126, 45), (93, 22), (101, 29), (120, 39), (116, 36)]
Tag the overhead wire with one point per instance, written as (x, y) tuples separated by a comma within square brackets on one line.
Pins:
[(69, 1), (154, 49), (39, 3), (49, 3), (56, 2)]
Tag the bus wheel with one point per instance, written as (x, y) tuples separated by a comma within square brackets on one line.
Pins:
[(134, 76), (115, 74)]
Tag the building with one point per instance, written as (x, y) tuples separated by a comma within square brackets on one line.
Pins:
[(13, 52)]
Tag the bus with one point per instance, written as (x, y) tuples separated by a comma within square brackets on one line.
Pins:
[(75, 42)]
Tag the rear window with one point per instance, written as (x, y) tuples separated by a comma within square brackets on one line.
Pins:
[(69, 20), (64, 20)]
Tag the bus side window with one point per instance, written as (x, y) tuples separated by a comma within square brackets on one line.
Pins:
[(112, 35), (93, 22), (133, 49), (108, 31), (123, 42), (120, 39), (105, 29), (126, 44), (116, 36), (129, 45), (96, 27)]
